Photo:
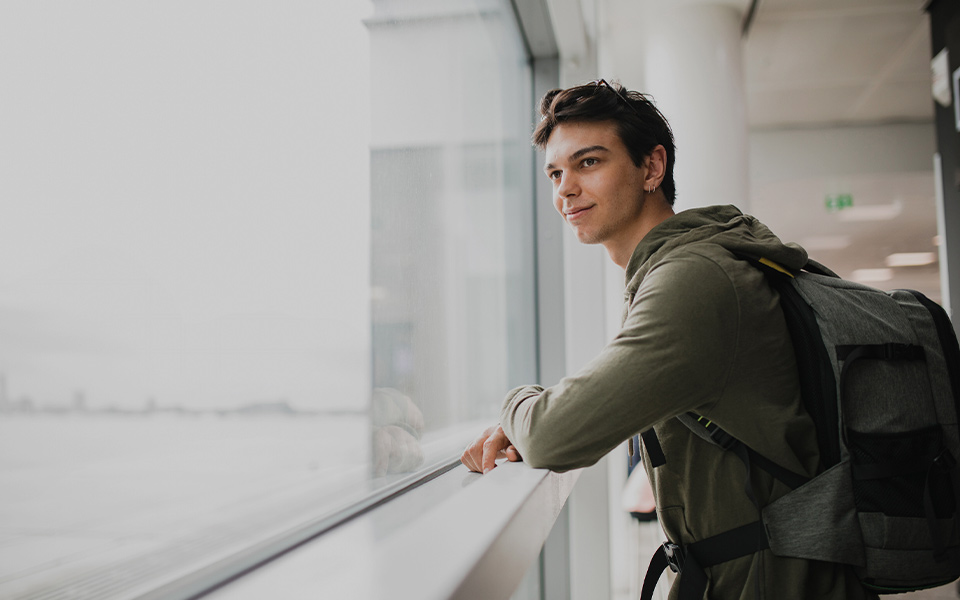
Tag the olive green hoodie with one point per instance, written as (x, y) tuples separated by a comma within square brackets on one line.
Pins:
[(702, 332)]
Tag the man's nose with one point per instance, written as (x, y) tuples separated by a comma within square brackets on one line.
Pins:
[(569, 186)]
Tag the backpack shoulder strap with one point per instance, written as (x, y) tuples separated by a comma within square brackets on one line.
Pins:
[(818, 385), (700, 425)]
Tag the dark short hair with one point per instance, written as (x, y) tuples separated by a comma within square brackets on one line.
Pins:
[(640, 125)]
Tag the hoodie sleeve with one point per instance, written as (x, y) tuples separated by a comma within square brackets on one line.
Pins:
[(673, 355)]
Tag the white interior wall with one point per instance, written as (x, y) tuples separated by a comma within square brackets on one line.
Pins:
[(778, 154)]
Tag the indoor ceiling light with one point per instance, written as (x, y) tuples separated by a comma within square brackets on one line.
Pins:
[(911, 259), (872, 275), (871, 212)]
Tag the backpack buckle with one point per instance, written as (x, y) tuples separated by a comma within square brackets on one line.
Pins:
[(722, 438), (674, 554), (719, 436), (945, 461)]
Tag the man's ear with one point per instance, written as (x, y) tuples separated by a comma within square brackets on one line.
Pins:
[(656, 167)]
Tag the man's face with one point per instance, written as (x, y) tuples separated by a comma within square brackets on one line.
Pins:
[(597, 188)]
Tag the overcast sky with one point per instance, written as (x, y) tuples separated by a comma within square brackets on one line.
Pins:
[(184, 199)]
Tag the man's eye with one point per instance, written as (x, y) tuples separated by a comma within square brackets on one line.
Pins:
[(554, 175), (589, 162)]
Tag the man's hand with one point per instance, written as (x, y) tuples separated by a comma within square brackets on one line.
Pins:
[(491, 445)]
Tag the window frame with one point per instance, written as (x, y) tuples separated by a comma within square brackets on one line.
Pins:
[(513, 507)]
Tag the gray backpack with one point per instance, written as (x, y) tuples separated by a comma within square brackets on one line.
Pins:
[(880, 377)]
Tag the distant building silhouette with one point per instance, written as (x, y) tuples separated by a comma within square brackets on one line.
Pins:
[(25, 404), (79, 401), (279, 407)]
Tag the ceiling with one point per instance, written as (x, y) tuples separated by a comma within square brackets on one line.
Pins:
[(824, 61), (824, 64)]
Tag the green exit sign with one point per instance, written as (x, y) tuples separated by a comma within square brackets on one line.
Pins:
[(839, 202)]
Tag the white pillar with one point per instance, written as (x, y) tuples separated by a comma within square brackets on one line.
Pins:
[(688, 56)]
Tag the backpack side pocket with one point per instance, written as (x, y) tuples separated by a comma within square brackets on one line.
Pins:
[(905, 503)]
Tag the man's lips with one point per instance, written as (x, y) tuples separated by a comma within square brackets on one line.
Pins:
[(575, 213)]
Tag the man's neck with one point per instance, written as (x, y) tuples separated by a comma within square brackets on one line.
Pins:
[(654, 212)]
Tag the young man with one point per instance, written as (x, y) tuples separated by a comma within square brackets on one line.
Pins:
[(702, 332)]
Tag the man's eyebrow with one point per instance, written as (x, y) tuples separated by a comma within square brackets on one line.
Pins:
[(579, 153)]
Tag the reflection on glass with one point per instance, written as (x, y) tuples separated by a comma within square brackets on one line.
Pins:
[(397, 428), (251, 276)]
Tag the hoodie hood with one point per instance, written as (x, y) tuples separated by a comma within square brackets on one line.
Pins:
[(725, 226)]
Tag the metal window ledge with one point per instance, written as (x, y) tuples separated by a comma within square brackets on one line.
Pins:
[(461, 535)]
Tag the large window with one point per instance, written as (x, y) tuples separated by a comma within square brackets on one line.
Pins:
[(260, 260)]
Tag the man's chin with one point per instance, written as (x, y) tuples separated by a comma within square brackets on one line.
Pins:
[(586, 237)]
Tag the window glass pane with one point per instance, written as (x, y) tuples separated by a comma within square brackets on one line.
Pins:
[(261, 259)]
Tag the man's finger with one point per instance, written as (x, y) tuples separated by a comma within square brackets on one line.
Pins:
[(465, 459), (491, 448), (470, 457), (512, 454), (480, 456), (488, 460)]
